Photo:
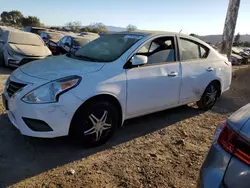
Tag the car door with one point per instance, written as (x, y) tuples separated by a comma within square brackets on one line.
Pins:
[(156, 85), (197, 70), (62, 42)]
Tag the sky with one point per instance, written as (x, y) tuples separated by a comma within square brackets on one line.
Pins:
[(190, 16)]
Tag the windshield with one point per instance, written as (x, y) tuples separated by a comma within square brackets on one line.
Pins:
[(55, 36), (25, 38), (108, 48), (37, 31)]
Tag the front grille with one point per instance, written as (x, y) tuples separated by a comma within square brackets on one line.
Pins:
[(13, 87), (26, 60)]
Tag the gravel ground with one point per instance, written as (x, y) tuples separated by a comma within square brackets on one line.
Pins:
[(164, 149)]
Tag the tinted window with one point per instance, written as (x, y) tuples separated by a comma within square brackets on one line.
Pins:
[(68, 40), (63, 40), (189, 50), (159, 50)]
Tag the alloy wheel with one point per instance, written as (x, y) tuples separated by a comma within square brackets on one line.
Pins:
[(98, 125)]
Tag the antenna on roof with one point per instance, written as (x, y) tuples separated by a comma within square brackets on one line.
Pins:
[(180, 31)]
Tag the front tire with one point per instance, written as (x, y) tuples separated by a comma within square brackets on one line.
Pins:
[(95, 123), (209, 97), (2, 61)]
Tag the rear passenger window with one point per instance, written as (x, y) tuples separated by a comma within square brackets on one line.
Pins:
[(191, 50)]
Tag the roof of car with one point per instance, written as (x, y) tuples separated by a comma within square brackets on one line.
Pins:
[(151, 32), (147, 32), (155, 33)]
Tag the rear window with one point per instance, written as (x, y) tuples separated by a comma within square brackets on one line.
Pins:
[(37, 31), (25, 38), (82, 41), (55, 36)]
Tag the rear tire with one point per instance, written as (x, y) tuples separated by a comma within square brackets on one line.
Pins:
[(91, 126), (209, 97)]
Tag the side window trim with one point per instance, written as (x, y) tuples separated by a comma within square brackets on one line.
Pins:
[(177, 54)]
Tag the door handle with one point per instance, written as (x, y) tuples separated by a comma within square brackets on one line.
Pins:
[(209, 69), (173, 74)]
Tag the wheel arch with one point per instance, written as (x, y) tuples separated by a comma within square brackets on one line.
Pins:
[(217, 82), (100, 97)]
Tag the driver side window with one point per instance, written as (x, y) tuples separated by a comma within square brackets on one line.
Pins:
[(159, 50), (68, 41)]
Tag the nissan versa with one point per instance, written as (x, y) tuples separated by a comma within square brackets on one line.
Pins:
[(116, 77)]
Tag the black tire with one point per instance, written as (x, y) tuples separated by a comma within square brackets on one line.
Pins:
[(81, 123), (2, 63), (206, 102)]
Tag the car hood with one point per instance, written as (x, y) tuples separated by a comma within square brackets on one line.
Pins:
[(236, 56), (52, 68), (28, 50)]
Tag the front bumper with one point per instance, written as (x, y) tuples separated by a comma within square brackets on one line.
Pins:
[(214, 168), (57, 116)]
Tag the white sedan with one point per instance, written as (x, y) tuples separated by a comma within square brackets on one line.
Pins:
[(116, 77)]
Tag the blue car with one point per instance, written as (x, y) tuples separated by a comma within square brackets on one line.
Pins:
[(228, 161)]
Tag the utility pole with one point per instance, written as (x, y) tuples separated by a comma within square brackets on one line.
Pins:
[(229, 27)]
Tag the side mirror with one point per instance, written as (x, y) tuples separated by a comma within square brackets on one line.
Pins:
[(139, 60), (67, 44)]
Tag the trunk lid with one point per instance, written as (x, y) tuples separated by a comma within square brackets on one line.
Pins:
[(239, 121)]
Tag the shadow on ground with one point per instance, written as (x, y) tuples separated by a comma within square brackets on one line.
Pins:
[(23, 157)]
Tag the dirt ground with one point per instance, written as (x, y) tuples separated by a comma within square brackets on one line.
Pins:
[(164, 149)]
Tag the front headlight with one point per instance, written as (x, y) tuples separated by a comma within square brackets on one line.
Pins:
[(15, 55), (50, 92)]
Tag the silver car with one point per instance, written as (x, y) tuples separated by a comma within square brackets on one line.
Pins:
[(19, 47), (228, 161)]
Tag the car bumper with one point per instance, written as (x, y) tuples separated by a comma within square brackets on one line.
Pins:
[(57, 116), (213, 168)]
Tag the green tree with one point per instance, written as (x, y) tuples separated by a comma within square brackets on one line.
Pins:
[(131, 28), (31, 21), (85, 29), (98, 28), (95, 28), (237, 40), (246, 44), (74, 26), (13, 18)]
